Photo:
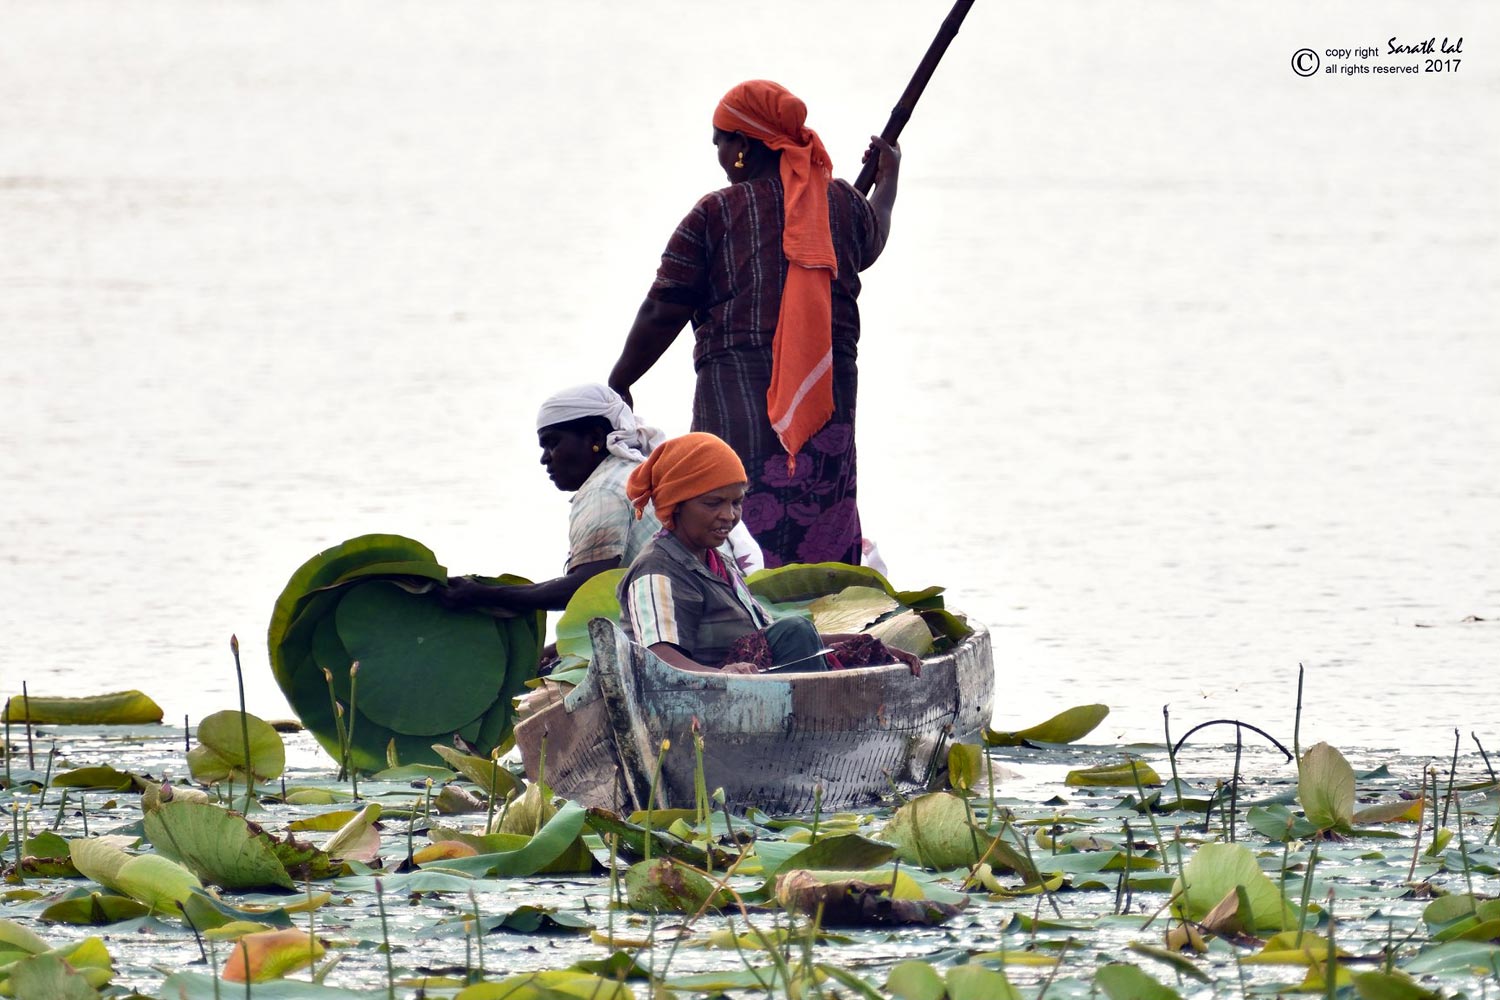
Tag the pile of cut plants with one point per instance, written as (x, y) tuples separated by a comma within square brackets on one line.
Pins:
[(229, 859)]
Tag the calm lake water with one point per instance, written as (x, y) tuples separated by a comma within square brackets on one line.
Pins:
[(1180, 369)]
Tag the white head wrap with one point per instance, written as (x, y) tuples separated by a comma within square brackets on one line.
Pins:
[(630, 440)]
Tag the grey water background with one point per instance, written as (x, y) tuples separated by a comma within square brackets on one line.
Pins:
[(1179, 370)]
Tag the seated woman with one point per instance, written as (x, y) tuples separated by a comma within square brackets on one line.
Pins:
[(590, 441), (690, 606)]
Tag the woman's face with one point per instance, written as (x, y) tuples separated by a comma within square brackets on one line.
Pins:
[(704, 522), (730, 145), (568, 456)]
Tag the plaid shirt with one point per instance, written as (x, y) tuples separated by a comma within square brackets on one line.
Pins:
[(602, 524)]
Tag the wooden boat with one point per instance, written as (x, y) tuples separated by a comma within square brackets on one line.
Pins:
[(777, 742)]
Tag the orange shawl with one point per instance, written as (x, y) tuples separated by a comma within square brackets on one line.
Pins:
[(681, 469), (800, 399)]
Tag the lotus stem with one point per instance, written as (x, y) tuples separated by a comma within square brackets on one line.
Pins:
[(353, 717), (187, 743), (1166, 726), (1140, 790), (1234, 722), (700, 783), (26, 707), (385, 937), (1452, 774), (1052, 973), (1040, 881), (1297, 719), (1124, 876), (1331, 967), (61, 806), (1416, 845), (83, 807), (239, 676), (661, 756), (1234, 783), (1432, 774), (213, 964), (478, 931), (989, 769), (489, 812), (15, 832), (41, 801), (1463, 850), (818, 813), (1487, 767), (9, 748), (1307, 883), (338, 721)]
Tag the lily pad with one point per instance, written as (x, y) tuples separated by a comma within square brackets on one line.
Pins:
[(595, 599), (1215, 871), (218, 846), (1325, 787), (1064, 727), (120, 708), (852, 609), (220, 753)]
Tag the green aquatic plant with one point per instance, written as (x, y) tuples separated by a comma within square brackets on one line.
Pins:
[(375, 600)]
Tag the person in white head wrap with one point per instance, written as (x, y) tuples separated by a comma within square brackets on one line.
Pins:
[(590, 441)]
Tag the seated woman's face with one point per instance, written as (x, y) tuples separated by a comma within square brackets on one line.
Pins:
[(705, 521), (568, 456)]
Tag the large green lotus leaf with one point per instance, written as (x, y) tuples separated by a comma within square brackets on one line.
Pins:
[(904, 631), (423, 669), (100, 858), (551, 842), (49, 976), (1127, 773), (324, 570), (595, 599), (804, 581), (915, 980), (1064, 727), (975, 982), (851, 609), (220, 753), (1213, 873), (562, 984), (487, 774), (216, 845), (1325, 787), (1121, 981), (93, 909), (935, 831), (122, 708), (158, 882)]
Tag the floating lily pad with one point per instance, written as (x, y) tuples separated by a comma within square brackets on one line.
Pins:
[(221, 755), (120, 708), (1325, 787), (1064, 727)]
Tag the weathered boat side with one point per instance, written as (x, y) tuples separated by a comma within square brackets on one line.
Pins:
[(770, 741)]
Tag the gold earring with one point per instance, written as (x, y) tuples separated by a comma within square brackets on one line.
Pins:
[(596, 447), (739, 162)]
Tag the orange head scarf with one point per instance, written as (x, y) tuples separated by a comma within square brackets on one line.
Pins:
[(800, 398), (680, 469)]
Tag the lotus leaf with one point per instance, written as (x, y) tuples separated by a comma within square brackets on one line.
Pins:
[(559, 838), (666, 886), (805, 581), (1127, 773), (1325, 787), (915, 980), (487, 774), (936, 831), (50, 977), (158, 882), (550, 985), (220, 753), (907, 631), (1065, 727), (852, 609), (99, 776), (357, 838), (1391, 985), (122, 708), (93, 908), (1122, 981), (216, 845), (595, 599), (1214, 872), (975, 982), (965, 767), (427, 673), (265, 955)]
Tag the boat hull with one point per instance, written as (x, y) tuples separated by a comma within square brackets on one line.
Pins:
[(781, 743)]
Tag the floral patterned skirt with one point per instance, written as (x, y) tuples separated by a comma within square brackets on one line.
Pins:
[(807, 515)]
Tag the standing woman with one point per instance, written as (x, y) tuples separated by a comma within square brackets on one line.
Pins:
[(768, 269)]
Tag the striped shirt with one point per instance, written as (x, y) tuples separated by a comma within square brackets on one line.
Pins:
[(669, 596), (602, 523)]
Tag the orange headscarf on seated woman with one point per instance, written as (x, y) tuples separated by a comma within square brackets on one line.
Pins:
[(800, 399), (680, 469)]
